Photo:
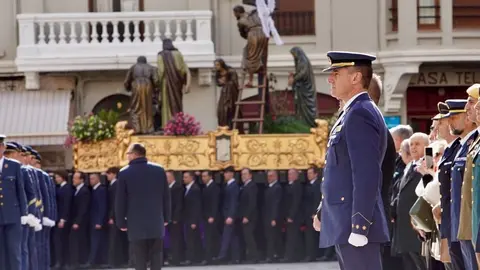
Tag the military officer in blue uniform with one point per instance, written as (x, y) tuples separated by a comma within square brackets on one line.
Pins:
[(444, 176), (49, 213), (460, 125), (50, 222), (14, 152), (352, 216), (13, 211)]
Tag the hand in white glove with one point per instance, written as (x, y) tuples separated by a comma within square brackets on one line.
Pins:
[(31, 220), (24, 220), (357, 240), (38, 227)]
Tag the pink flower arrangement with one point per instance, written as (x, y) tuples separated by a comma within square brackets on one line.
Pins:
[(182, 124)]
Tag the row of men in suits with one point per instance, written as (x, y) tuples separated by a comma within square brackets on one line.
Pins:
[(27, 208), (457, 211), (242, 218)]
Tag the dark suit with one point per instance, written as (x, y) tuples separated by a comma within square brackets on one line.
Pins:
[(444, 177), (98, 216), (313, 195), (405, 241), (192, 216), (388, 172), (272, 212), (78, 240), (143, 206), (118, 243), (248, 209), (230, 241), (13, 205), (60, 235), (352, 187), (175, 227), (210, 209), (292, 205)]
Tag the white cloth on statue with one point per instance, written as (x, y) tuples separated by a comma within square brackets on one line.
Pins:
[(268, 25)]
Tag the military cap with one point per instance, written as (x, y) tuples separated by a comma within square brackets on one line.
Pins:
[(455, 106), (442, 111), (348, 59), (20, 147), (2, 138), (11, 147), (37, 156), (29, 150), (474, 91)]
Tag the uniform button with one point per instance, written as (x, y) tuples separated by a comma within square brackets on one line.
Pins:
[(1, 196), (323, 179), (343, 199), (440, 196), (451, 201), (364, 228), (439, 184), (461, 197), (473, 177), (471, 189), (353, 226), (441, 210), (357, 227), (1, 204), (323, 196)]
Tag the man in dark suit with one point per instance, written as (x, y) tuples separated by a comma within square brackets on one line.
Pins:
[(211, 215), (175, 227), (293, 214), (272, 216), (352, 213), (249, 215), (60, 235), (13, 211), (143, 207), (79, 220), (192, 215), (98, 220), (230, 238), (313, 195), (117, 240)]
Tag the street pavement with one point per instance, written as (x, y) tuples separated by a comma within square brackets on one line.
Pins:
[(284, 266)]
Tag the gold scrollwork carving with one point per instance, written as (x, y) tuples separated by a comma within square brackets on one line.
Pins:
[(215, 151)]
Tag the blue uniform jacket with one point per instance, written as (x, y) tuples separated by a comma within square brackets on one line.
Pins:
[(30, 191), (13, 202), (352, 201), (52, 192), (458, 169), (444, 172), (36, 184), (44, 190), (98, 206)]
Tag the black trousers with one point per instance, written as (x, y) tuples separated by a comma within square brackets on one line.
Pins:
[(293, 244), (176, 242), (60, 244), (413, 261), (194, 244), (273, 238), (250, 242), (311, 241), (212, 239), (117, 246), (78, 243), (148, 250)]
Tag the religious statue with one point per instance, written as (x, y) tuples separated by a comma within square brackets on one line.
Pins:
[(141, 80), (303, 86), (226, 77), (174, 77), (256, 27)]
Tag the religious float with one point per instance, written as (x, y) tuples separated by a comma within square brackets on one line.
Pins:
[(278, 140)]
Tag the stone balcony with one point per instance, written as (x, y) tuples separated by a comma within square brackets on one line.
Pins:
[(65, 42)]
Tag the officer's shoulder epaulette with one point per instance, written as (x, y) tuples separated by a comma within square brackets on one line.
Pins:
[(13, 161), (155, 164), (124, 168)]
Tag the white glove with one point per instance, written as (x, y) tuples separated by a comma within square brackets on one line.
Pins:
[(31, 220), (38, 227), (357, 240), (48, 222), (24, 220)]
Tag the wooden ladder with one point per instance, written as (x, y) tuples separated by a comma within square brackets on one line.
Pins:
[(261, 102)]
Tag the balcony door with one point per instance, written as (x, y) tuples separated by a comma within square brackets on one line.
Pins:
[(117, 6)]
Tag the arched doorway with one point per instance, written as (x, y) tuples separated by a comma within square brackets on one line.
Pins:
[(422, 104), (118, 103), (283, 101)]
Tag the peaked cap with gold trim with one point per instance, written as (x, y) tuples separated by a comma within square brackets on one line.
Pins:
[(339, 59)]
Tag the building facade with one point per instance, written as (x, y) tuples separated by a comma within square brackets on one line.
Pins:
[(427, 51)]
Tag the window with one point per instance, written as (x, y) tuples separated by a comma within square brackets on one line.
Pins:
[(295, 18), (466, 14), (115, 5), (428, 15)]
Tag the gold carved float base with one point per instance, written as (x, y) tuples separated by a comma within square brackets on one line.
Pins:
[(214, 151)]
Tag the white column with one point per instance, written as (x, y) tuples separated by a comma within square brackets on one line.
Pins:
[(446, 23), (204, 27), (407, 23), (323, 25), (26, 29)]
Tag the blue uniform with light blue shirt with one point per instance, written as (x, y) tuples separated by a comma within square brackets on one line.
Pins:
[(352, 206), (43, 255), (13, 206)]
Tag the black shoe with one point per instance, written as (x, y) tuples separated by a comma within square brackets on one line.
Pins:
[(250, 262), (234, 262), (308, 259), (286, 260), (186, 263), (202, 263), (218, 260)]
